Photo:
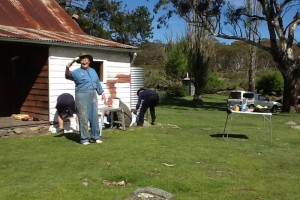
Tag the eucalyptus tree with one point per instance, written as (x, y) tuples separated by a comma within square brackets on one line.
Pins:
[(112, 20), (279, 19), (253, 8), (199, 45)]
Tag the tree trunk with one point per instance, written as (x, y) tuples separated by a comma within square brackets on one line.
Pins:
[(252, 69), (198, 53), (197, 94), (290, 93), (253, 8)]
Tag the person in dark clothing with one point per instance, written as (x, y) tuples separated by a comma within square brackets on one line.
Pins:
[(147, 99), (65, 106)]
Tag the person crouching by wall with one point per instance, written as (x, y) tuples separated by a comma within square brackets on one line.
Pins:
[(65, 106), (87, 86), (146, 99)]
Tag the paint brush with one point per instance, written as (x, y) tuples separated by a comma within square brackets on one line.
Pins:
[(75, 60)]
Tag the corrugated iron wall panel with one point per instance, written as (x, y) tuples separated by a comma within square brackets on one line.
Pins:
[(137, 81)]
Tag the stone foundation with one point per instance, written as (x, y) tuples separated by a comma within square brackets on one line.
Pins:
[(21, 130)]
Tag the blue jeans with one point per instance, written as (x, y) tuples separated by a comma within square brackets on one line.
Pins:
[(87, 111)]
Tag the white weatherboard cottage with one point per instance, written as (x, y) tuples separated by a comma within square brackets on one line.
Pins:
[(38, 43)]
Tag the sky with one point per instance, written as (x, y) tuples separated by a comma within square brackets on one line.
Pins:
[(177, 26)]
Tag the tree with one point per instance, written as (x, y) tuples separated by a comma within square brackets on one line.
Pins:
[(126, 27), (151, 57), (109, 20), (176, 65), (281, 33), (253, 8), (199, 48), (152, 54)]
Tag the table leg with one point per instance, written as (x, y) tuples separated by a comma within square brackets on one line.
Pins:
[(231, 116), (225, 125), (123, 120), (270, 126), (101, 125)]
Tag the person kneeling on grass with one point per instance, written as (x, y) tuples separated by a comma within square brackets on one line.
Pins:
[(147, 99), (65, 106)]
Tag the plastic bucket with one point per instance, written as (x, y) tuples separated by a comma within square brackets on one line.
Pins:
[(115, 103)]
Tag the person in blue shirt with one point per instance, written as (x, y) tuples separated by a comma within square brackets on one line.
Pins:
[(87, 86), (147, 99)]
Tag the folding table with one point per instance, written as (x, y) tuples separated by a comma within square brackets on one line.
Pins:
[(112, 111), (232, 114)]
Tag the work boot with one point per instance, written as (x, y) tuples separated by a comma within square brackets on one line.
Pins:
[(153, 117)]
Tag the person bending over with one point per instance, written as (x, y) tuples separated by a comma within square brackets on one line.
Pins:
[(65, 106), (146, 99)]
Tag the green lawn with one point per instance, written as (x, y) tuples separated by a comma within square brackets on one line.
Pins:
[(188, 136)]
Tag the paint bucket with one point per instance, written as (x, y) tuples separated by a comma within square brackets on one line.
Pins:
[(115, 103), (236, 108)]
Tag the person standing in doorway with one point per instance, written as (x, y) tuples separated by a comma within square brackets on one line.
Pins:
[(147, 99), (87, 86), (65, 106)]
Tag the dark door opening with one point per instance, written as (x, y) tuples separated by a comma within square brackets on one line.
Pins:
[(23, 83), (98, 67)]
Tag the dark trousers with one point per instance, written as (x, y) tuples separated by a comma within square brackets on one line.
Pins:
[(150, 102)]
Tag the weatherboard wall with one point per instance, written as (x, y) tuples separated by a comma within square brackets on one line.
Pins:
[(116, 74)]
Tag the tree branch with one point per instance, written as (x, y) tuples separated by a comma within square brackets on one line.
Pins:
[(230, 37), (292, 26)]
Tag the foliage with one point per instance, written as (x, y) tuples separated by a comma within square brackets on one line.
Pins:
[(152, 57), (228, 68), (281, 34), (164, 66), (199, 49), (154, 79), (214, 84), (198, 65), (151, 54), (269, 83), (107, 19), (187, 136), (176, 64), (176, 90)]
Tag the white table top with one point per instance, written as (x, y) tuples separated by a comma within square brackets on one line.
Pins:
[(110, 109), (250, 112)]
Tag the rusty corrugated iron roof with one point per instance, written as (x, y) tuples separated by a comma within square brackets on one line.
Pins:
[(44, 21)]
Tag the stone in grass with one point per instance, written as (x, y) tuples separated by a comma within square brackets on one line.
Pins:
[(295, 127), (150, 193)]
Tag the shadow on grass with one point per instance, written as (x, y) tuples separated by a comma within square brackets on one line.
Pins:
[(183, 104), (220, 135), (75, 137)]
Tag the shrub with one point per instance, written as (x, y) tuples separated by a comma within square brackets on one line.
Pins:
[(213, 84), (176, 90), (270, 83)]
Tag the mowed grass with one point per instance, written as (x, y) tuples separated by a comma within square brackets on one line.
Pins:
[(184, 154)]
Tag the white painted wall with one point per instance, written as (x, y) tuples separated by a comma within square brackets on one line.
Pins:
[(114, 63)]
